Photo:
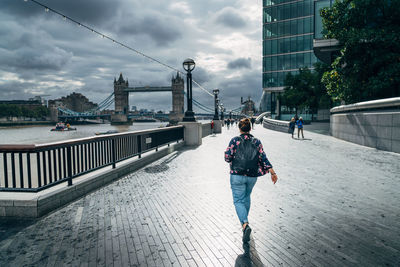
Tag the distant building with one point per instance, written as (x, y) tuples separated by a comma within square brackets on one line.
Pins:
[(75, 101), (249, 108), (40, 99), (288, 34), (133, 108)]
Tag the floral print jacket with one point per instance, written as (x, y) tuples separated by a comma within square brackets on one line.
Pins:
[(264, 164)]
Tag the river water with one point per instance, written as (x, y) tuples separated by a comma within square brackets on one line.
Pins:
[(42, 134)]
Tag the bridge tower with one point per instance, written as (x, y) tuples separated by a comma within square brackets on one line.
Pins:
[(121, 100), (178, 100), (121, 96)]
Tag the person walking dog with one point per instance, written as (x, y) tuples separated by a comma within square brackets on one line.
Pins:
[(247, 160)]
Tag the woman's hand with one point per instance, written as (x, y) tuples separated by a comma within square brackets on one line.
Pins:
[(274, 177)]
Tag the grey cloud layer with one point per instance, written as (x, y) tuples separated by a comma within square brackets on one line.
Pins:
[(230, 17), (44, 53), (240, 63), (161, 30)]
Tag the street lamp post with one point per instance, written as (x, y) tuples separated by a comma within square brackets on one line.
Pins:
[(216, 91), (222, 112), (189, 66)]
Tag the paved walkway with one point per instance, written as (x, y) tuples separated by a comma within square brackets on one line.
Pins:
[(335, 204)]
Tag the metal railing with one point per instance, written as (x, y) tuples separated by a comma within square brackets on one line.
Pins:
[(31, 168)]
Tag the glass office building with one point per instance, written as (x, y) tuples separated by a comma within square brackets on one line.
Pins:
[(288, 31)]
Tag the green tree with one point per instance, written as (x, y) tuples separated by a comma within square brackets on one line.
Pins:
[(10, 110), (304, 90), (368, 66), (26, 112), (322, 99), (41, 111), (296, 89)]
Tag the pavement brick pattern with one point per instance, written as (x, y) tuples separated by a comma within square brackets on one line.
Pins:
[(335, 204)]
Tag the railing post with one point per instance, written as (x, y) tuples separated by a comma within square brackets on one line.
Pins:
[(69, 165), (5, 170), (139, 142), (113, 152)]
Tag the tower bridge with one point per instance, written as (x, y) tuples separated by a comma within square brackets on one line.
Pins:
[(121, 98)]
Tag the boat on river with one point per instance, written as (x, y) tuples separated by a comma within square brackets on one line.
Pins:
[(144, 119), (108, 132), (62, 127)]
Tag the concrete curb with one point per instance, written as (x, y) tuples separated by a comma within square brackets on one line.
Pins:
[(45, 203)]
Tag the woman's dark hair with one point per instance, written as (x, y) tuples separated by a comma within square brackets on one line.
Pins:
[(245, 125)]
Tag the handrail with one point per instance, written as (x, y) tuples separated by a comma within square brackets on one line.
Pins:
[(34, 147), (276, 122), (262, 115), (373, 104), (31, 168)]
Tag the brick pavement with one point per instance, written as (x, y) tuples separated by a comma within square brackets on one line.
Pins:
[(335, 204)]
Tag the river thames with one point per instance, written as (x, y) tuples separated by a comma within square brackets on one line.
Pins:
[(42, 134)]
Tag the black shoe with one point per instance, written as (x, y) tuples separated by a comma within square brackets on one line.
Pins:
[(246, 249), (246, 234)]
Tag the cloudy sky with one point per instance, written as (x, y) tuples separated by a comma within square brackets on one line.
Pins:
[(40, 53)]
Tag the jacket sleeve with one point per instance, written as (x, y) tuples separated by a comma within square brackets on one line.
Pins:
[(265, 165), (230, 150)]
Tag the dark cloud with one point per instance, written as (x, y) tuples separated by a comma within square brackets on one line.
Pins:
[(88, 11), (161, 30), (27, 59), (229, 17), (14, 90), (30, 51), (240, 63), (201, 75)]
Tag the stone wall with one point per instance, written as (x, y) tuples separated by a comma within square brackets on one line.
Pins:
[(377, 126), (206, 129), (374, 129), (276, 125)]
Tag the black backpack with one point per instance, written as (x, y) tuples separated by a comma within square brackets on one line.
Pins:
[(245, 161)]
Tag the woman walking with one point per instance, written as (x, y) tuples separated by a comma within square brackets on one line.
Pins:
[(247, 160), (292, 125)]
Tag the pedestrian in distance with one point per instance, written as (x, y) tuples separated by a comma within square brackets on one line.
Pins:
[(212, 127), (247, 160), (300, 124), (253, 120), (292, 126)]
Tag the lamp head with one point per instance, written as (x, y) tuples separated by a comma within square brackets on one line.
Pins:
[(188, 64), (216, 91)]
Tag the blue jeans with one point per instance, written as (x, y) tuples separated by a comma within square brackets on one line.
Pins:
[(241, 189)]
